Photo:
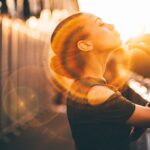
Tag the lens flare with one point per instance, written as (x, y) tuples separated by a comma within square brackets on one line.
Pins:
[(21, 104)]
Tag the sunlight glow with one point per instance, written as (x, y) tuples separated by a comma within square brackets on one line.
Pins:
[(131, 17)]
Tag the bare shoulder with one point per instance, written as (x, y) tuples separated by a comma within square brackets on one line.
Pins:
[(99, 94)]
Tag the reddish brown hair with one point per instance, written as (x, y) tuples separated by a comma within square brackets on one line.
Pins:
[(68, 60)]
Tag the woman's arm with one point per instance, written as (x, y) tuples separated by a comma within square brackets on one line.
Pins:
[(134, 97), (140, 117)]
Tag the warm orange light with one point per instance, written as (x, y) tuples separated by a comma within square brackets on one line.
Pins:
[(32, 22), (16, 25), (6, 22)]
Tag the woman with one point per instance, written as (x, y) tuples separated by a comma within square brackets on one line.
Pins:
[(100, 117)]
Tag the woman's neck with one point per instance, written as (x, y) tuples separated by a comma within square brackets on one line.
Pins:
[(95, 65)]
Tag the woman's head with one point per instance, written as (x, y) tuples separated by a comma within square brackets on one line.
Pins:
[(75, 38)]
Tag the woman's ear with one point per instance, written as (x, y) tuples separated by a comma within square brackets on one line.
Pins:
[(85, 45)]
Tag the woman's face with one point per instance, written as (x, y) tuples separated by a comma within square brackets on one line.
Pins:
[(103, 35)]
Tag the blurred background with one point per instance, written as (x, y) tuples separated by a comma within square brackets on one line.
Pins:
[(32, 107)]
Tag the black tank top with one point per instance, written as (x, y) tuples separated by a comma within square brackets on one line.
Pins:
[(100, 127)]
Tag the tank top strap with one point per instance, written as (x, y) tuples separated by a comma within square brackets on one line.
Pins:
[(82, 86)]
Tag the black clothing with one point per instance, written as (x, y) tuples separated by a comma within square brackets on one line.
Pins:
[(133, 96), (100, 127)]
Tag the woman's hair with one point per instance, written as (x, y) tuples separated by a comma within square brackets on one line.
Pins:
[(69, 61)]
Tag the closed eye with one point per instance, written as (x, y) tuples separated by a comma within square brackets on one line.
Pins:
[(99, 22)]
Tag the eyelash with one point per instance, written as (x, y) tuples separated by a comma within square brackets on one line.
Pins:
[(101, 24)]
